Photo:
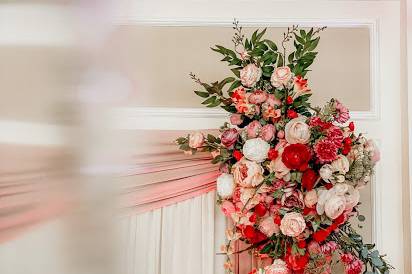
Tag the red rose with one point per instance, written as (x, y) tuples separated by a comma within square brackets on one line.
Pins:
[(351, 126), (289, 100), (253, 218), (277, 219), (229, 137), (297, 262), (237, 155), (321, 235), (272, 154), (260, 210), (302, 244), (249, 232), (291, 114), (259, 237), (296, 156), (309, 178)]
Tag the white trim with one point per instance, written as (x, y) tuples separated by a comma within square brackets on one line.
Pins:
[(27, 133)]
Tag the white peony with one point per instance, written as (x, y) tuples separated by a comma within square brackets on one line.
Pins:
[(326, 172), (250, 74), (335, 206), (256, 150), (297, 131), (225, 185), (341, 164), (352, 197)]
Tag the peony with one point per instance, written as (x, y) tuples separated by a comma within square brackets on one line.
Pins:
[(268, 226), (253, 129), (300, 86), (267, 132), (229, 137), (227, 208), (297, 131), (352, 197), (236, 119), (196, 140), (326, 172), (292, 224), (326, 150), (225, 185), (311, 198), (258, 97), (335, 206), (247, 173), (341, 164), (250, 74), (278, 167), (292, 198), (278, 267), (342, 113), (296, 156), (281, 77), (256, 150)]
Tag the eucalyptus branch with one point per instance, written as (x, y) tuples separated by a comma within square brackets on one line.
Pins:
[(286, 38)]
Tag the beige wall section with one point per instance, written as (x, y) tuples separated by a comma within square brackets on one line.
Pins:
[(159, 59)]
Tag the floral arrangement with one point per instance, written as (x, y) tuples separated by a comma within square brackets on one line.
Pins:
[(291, 173)]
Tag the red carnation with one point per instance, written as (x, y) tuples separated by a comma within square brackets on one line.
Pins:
[(326, 150), (272, 154), (309, 178), (335, 134), (237, 155), (260, 210), (297, 262), (296, 156), (291, 114)]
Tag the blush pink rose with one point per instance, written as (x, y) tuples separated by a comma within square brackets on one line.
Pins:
[(227, 208), (250, 74), (292, 224), (311, 198), (196, 140), (268, 226), (297, 131), (281, 77), (229, 137), (253, 129), (258, 97), (273, 101), (267, 132), (236, 119), (278, 167)]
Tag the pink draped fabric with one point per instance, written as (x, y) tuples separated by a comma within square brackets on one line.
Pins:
[(30, 187), (162, 175)]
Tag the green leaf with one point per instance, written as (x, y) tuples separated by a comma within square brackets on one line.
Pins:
[(236, 71), (377, 262), (254, 36), (215, 103), (314, 43), (211, 138), (280, 61), (201, 94), (299, 39), (209, 100), (290, 57), (234, 85), (260, 35), (271, 45), (230, 109)]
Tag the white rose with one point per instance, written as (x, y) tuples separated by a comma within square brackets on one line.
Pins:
[(196, 140), (341, 164), (292, 224), (326, 172), (297, 131), (225, 185), (281, 77), (311, 198), (250, 74), (335, 206), (256, 150)]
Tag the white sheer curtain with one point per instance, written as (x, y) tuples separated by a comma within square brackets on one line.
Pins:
[(178, 239)]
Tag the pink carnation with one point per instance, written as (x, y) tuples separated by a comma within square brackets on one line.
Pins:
[(335, 134), (326, 150), (352, 264), (342, 113), (329, 247)]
